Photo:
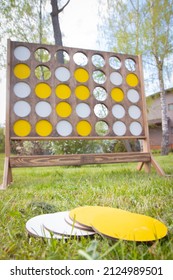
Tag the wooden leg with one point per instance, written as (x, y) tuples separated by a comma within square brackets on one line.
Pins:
[(140, 165), (7, 179), (157, 167)]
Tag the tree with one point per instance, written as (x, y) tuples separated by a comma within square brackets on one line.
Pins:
[(144, 27)]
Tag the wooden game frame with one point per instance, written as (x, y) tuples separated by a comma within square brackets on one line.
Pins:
[(144, 157)]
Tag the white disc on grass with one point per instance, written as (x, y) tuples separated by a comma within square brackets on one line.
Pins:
[(57, 224), (35, 227)]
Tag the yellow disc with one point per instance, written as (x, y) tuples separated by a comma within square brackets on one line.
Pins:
[(63, 109), (83, 128), (43, 128), (63, 91), (117, 94), (120, 224), (132, 80), (22, 128), (22, 71), (43, 90), (81, 75), (82, 92), (84, 215)]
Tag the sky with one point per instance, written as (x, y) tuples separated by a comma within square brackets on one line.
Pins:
[(79, 26)]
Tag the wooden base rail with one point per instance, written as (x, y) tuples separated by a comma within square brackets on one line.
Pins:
[(145, 159)]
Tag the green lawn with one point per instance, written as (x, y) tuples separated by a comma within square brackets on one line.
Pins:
[(46, 190)]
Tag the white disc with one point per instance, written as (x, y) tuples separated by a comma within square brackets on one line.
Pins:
[(135, 128), (64, 128), (57, 224), (62, 74), (22, 90), (22, 108), (116, 78), (134, 112), (35, 227), (43, 109), (118, 111), (22, 53), (119, 128), (133, 95), (83, 110)]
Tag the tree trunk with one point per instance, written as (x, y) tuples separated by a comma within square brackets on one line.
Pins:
[(165, 128), (56, 28)]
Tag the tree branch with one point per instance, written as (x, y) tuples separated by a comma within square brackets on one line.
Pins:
[(60, 10)]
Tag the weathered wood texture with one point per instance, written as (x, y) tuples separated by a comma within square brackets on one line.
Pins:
[(77, 159)]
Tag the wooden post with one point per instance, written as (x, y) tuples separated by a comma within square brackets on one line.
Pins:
[(7, 178)]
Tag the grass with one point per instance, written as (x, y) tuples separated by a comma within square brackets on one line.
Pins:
[(46, 190)]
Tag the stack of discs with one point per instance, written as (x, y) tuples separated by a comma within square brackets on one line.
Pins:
[(109, 222), (119, 224), (57, 225)]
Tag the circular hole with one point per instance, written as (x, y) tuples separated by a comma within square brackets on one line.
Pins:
[(64, 128), (43, 90), (63, 91), (135, 128), (43, 128), (98, 60), (42, 73), (116, 78), (62, 74), (42, 55), (62, 57), (43, 109), (101, 128), (83, 110), (22, 128), (63, 109), (117, 94), (132, 80), (82, 92), (22, 109), (80, 59), (133, 95), (81, 75), (118, 111), (115, 62), (134, 112), (99, 77), (130, 64), (22, 53), (100, 93), (101, 111), (119, 128), (22, 71), (83, 128), (22, 90)]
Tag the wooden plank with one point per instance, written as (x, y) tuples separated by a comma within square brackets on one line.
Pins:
[(77, 159), (7, 178)]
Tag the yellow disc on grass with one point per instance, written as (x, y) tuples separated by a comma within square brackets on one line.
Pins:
[(82, 92), (63, 91), (43, 90), (81, 75), (132, 80), (22, 128), (22, 71), (120, 224), (117, 94), (83, 128), (84, 215), (63, 109), (43, 128)]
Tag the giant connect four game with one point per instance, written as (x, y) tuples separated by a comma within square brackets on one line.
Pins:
[(61, 93), (68, 92)]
